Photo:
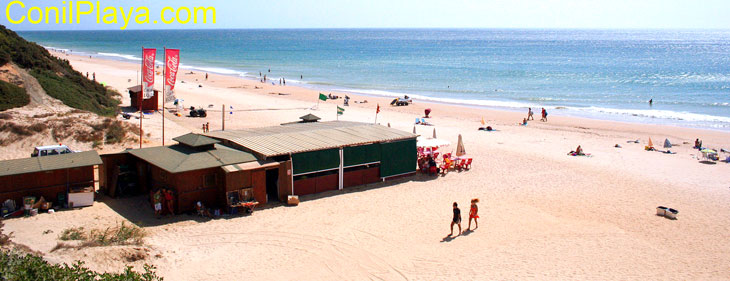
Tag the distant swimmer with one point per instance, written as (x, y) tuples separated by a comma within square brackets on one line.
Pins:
[(651, 101)]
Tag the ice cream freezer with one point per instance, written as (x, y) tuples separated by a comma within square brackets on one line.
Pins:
[(81, 197)]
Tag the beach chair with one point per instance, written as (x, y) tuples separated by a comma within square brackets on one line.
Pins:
[(418, 121), (460, 166), (446, 166)]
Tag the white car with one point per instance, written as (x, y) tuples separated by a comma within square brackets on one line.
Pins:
[(50, 150)]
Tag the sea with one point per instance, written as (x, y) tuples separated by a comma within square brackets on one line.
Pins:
[(600, 74)]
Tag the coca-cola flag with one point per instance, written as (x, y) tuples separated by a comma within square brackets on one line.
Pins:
[(172, 61), (148, 72)]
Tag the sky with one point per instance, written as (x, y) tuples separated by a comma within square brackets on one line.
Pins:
[(542, 14)]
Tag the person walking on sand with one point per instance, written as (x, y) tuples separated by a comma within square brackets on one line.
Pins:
[(87, 75), (206, 76), (544, 115), (529, 114), (473, 213), (456, 220), (284, 80), (93, 76)]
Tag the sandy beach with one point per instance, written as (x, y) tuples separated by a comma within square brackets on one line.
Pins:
[(544, 215)]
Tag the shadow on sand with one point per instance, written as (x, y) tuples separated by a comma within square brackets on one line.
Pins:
[(138, 210)]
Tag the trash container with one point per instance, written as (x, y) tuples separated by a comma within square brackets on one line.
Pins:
[(671, 213)]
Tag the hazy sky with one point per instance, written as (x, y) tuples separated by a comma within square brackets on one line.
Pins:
[(619, 14)]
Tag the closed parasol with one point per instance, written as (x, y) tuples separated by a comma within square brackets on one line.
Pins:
[(460, 151)]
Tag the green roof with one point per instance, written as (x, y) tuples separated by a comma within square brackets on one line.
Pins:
[(195, 140), (303, 137), (309, 118), (49, 163), (180, 158)]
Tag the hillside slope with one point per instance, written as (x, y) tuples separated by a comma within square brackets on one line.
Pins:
[(56, 76)]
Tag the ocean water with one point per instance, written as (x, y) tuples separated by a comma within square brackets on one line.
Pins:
[(603, 74)]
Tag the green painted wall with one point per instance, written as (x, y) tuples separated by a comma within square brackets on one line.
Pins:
[(355, 155), (398, 158), (316, 160)]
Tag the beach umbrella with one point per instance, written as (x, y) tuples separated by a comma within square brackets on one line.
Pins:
[(434, 133), (708, 151), (460, 147), (650, 143)]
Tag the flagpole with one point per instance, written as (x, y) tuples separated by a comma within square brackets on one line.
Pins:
[(141, 87), (164, 72)]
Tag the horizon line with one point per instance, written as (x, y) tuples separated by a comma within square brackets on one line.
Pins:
[(399, 28)]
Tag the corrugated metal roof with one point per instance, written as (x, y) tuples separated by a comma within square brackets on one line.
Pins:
[(180, 158), (303, 137), (49, 163), (249, 166)]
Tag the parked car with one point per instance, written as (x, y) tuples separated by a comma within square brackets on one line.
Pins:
[(50, 150), (199, 112)]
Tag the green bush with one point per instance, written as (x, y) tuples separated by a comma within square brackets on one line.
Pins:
[(15, 266), (115, 132), (12, 96), (74, 233), (55, 75)]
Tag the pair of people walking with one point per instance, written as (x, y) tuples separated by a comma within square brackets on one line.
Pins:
[(473, 214)]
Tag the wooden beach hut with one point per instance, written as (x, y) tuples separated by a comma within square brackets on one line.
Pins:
[(49, 176), (135, 95), (198, 168), (328, 155)]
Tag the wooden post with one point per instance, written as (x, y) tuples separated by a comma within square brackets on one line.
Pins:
[(223, 117), (164, 49)]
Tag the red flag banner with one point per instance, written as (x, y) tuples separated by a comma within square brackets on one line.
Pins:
[(148, 72), (172, 61)]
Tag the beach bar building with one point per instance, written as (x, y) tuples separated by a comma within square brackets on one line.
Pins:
[(198, 168), (328, 155), (49, 176), (135, 95)]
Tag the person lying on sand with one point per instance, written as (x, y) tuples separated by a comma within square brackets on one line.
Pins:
[(487, 128), (456, 220), (578, 152)]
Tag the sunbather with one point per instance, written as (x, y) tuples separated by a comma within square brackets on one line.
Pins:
[(698, 144), (577, 152)]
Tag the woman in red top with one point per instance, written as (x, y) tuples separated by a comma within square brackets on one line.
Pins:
[(473, 213)]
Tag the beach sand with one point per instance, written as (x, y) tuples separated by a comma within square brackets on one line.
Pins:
[(544, 215)]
